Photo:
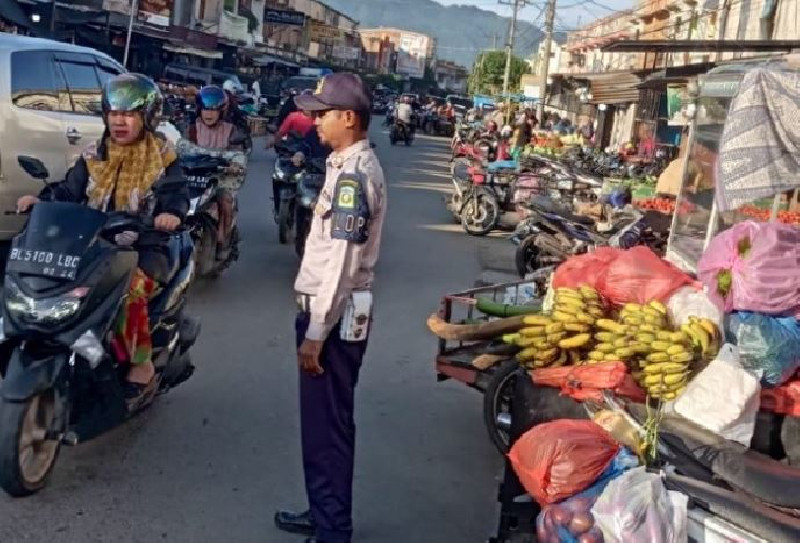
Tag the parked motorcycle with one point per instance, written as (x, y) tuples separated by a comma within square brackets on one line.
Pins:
[(552, 233), (203, 171), (62, 366), (400, 131)]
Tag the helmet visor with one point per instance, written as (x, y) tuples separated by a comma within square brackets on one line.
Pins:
[(127, 94), (212, 98)]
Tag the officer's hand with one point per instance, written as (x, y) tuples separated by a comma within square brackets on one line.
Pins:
[(167, 222), (308, 357)]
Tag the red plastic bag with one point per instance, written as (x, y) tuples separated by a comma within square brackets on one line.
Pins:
[(558, 459), (784, 399), (621, 276), (587, 383)]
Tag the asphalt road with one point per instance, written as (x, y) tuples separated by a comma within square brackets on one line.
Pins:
[(212, 460)]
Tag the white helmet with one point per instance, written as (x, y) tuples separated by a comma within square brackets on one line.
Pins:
[(232, 86)]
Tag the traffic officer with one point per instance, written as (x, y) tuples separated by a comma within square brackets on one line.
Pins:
[(335, 304)]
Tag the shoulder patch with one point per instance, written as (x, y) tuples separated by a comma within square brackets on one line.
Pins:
[(350, 209)]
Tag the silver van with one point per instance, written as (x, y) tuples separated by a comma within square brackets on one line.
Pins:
[(50, 109)]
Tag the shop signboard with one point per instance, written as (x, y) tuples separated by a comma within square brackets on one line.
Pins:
[(344, 52), (321, 32), (284, 17), (155, 12)]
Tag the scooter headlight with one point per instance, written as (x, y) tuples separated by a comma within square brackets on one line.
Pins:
[(44, 310)]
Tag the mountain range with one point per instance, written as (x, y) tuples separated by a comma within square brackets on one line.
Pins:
[(461, 31)]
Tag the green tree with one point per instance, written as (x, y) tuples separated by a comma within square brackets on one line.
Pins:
[(489, 69)]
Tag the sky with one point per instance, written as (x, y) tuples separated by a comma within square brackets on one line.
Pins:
[(574, 13)]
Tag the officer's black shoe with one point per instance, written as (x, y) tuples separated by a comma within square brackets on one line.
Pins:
[(295, 523)]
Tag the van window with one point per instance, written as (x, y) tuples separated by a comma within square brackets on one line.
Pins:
[(35, 83), (84, 87), (106, 72)]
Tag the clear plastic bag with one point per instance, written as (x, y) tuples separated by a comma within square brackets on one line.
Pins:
[(768, 344), (636, 507), (735, 417), (689, 302)]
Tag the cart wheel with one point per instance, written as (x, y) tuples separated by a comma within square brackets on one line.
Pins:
[(497, 405)]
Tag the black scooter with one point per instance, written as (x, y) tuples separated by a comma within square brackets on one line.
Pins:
[(309, 184), (63, 368)]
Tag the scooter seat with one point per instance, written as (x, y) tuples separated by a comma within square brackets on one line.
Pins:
[(160, 261), (547, 205)]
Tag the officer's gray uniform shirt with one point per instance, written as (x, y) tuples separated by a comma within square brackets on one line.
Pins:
[(332, 267)]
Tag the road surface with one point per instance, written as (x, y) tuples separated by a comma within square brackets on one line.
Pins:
[(212, 460)]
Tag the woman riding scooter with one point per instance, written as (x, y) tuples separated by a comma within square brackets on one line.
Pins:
[(131, 169), (212, 132)]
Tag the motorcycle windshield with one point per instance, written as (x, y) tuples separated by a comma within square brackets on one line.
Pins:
[(57, 236)]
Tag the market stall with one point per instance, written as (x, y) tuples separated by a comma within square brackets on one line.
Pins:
[(644, 402)]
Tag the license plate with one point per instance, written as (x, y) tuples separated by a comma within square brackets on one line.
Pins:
[(43, 263), (197, 181)]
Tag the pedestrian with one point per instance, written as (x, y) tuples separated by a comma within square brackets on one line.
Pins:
[(335, 304)]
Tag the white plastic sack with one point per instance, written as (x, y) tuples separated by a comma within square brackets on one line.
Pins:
[(689, 302), (636, 507), (723, 398)]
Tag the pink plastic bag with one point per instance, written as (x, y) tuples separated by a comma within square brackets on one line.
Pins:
[(754, 267), (621, 276)]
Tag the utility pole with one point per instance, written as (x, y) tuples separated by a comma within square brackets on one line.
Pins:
[(549, 21), (134, 12), (517, 4), (53, 8)]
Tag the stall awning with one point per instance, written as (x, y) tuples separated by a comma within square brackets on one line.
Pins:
[(188, 50), (12, 13), (701, 46), (267, 59), (675, 75), (612, 87)]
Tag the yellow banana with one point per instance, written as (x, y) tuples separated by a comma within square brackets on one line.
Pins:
[(585, 318), (639, 348), (533, 331), (526, 342), (624, 352), (537, 320), (554, 328), (703, 336), (564, 291), (577, 327), (681, 357), (571, 309), (648, 310), (664, 379), (589, 293), (657, 357), (664, 367), (621, 342), (542, 343), (605, 347), (596, 355), (561, 316), (569, 300), (657, 320), (561, 360), (632, 307), (606, 337), (650, 328), (548, 355), (658, 306), (677, 349), (660, 345), (664, 335), (661, 389), (611, 326), (709, 326), (645, 337), (527, 355), (574, 342), (612, 357), (510, 338), (679, 337), (595, 312), (555, 338)]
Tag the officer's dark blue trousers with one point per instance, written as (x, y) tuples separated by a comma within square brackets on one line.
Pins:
[(329, 433)]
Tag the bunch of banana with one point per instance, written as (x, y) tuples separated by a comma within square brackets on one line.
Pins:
[(578, 309), (538, 341), (705, 336)]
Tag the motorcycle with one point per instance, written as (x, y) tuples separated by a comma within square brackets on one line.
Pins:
[(285, 178), (552, 233), (203, 172), (309, 184), (400, 131), (63, 367)]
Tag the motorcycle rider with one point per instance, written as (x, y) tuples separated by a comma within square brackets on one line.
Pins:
[(132, 168), (404, 113), (212, 132)]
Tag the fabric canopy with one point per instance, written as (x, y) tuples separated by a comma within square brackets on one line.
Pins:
[(759, 152), (12, 13)]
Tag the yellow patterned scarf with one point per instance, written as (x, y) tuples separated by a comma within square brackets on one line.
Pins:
[(127, 172)]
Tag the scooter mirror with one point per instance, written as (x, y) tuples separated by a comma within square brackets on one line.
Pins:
[(33, 167)]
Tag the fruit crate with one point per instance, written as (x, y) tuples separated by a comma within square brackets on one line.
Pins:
[(454, 358)]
